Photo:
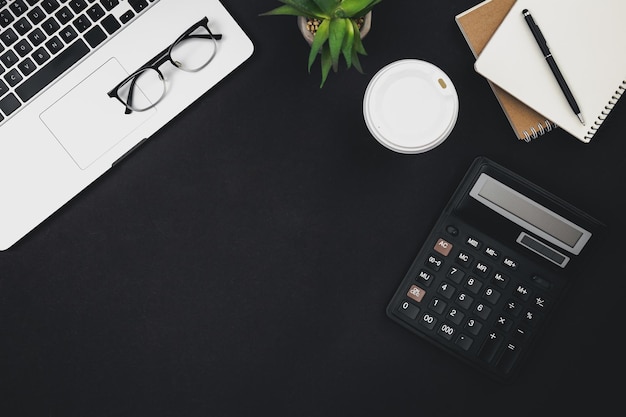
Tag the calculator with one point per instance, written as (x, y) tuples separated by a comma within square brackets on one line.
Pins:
[(493, 269)]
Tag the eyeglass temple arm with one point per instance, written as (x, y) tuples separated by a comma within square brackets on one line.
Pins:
[(129, 100)]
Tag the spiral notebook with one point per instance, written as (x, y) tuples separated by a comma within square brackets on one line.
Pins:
[(477, 25), (587, 39)]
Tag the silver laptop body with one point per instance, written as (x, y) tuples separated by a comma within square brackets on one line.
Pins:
[(70, 132)]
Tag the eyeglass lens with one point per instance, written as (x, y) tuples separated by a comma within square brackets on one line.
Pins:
[(142, 91), (195, 51)]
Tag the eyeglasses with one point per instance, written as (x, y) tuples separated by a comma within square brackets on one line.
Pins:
[(191, 52)]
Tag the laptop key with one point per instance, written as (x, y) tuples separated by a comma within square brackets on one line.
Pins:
[(36, 15), (50, 5), (138, 5), (13, 77), (9, 58), (127, 16), (18, 7), (6, 17), (64, 15), (40, 56), (48, 73), (78, 5), (9, 104), (68, 34), (9, 37), (54, 45), (95, 12), (95, 36), (110, 24), (109, 4)]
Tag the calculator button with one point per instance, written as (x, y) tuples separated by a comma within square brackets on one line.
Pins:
[(489, 349), (464, 342), (508, 358), (464, 300), (513, 307), (446, 331), (443, 247), (500, 279), (428, 321), (491, 295), (464, 259), (504, 323), (437, 305), (473, 284), (455, 316), (522, 292), (434, 263), (511, 263), (474, 243), (521, 333), (408, 309), (492, 253), (481, 269), (541, 303), (425, 277), (473, 326), (530, 318), (455, 274), (482, 311), (416, 293), (446, 290)]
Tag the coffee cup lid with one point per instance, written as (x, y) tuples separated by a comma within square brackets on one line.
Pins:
[(410, 106)]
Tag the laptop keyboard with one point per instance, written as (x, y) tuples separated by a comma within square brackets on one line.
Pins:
[(41, 39)]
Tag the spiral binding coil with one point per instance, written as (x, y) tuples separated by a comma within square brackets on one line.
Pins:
[(539, 131), (607, 109)]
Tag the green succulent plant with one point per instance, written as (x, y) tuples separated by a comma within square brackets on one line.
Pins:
[(338, 33)]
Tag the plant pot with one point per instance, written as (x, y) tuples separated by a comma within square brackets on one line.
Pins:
[(308, 35)]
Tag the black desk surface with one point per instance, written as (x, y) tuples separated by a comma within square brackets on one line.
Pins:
[(240, 263)]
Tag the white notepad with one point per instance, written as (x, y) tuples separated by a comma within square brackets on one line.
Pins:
[(588, 41)]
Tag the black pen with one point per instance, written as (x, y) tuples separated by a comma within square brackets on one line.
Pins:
[(541, 41)]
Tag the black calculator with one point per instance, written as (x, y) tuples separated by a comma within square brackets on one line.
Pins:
[(497, 262)]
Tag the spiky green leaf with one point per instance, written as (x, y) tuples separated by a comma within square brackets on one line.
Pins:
[(327, 6), (284, 10), (356, 62), (326, 64), (335, 39), (306, 8), (320, 38), (357, 8), (348, 44)]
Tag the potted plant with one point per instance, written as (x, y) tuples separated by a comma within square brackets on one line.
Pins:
[(337, 31)]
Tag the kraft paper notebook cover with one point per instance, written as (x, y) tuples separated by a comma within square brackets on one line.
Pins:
[(477, 25), (587, 39)]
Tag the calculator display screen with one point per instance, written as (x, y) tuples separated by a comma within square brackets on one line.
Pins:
[(529, 214)]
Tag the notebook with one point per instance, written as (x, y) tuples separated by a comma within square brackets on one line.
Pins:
[(477, 25), (59, 128), (587, 39)]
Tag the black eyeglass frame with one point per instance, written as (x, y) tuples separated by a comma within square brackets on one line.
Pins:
[(161, 58)]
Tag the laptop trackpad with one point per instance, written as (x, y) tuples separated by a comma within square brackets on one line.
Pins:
[(98, 121)]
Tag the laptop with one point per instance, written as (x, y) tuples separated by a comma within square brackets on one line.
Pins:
[(61, 126)]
